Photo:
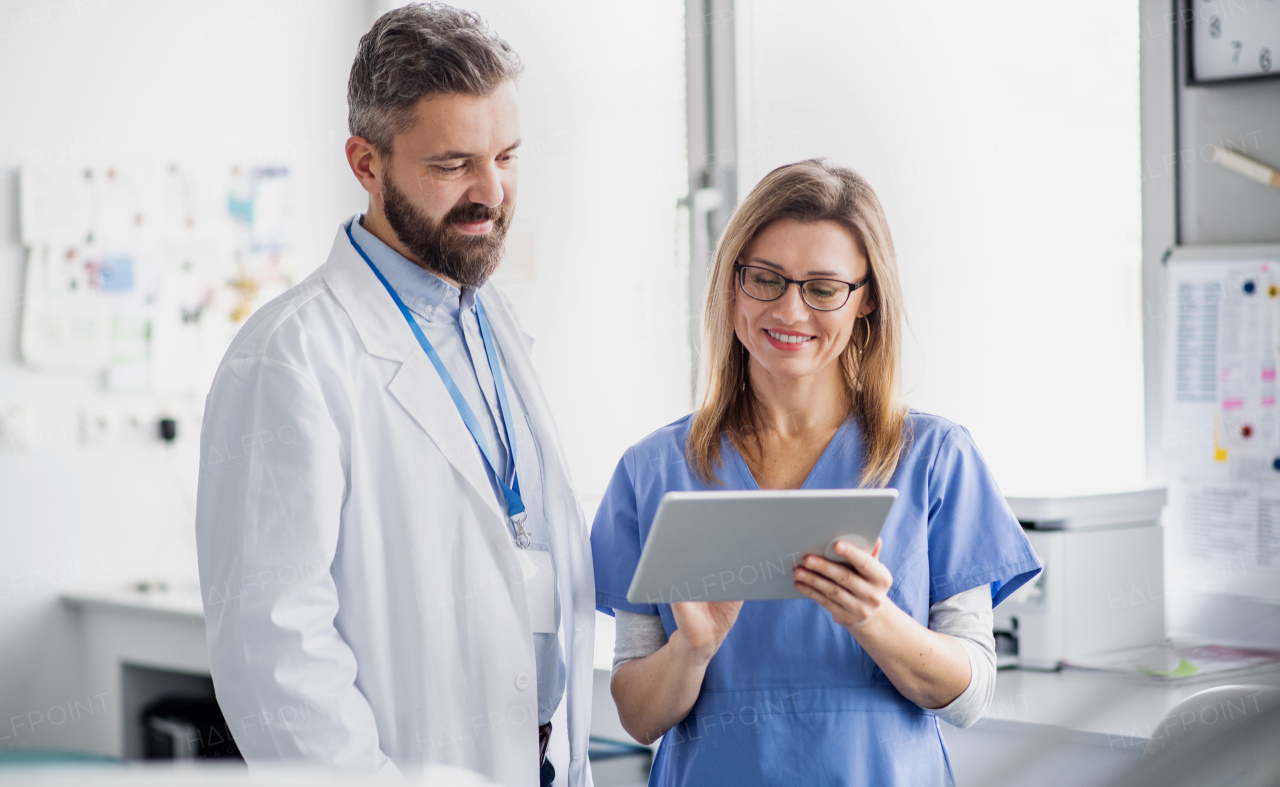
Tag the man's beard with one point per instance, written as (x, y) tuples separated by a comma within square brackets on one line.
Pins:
[(469, 260)]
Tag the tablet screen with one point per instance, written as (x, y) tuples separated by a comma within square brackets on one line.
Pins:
[(732, 546)]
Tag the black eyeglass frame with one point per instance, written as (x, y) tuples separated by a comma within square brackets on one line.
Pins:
[(740, 269)]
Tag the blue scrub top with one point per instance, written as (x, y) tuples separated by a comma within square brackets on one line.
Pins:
[(791, 697)]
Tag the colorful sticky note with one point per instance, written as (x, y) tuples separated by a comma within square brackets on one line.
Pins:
[(117, 274), (1183, 670)]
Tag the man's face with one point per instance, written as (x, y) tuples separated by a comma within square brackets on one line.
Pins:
[(448, 189)]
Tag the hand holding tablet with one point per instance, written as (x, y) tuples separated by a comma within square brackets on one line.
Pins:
[(853, 590)]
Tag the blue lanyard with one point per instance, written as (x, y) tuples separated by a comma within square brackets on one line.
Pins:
[(511, 491)]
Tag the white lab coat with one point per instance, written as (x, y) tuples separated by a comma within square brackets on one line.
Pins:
[(364, 602)]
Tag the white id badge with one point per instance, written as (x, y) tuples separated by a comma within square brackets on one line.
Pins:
[(539, 589)]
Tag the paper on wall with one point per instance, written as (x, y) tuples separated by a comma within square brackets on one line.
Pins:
[(1191, 366), (1247, 350), (64, 325), (1226, 538), (1221, 427), (144, 271), (54, 204)]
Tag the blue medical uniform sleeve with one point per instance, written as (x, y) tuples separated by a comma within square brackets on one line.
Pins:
[(974, 539), (616, 543)]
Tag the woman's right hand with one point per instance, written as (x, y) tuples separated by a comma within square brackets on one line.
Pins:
[(656, 692), (701, 627)]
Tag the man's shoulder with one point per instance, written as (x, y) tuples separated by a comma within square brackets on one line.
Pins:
[(304, 314)]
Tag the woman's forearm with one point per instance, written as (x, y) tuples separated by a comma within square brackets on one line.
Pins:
[(929, 668), (656, 692)]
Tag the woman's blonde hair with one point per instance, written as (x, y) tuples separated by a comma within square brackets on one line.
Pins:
[(808, 191)]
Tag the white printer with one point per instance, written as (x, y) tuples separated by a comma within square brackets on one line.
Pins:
[(1102, 588)]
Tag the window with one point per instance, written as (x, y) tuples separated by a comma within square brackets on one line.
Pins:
[(1003, 140)]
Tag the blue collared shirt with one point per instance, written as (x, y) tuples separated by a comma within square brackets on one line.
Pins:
[(448, 319)]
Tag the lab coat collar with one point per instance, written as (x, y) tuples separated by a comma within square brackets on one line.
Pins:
[(417, 386), (372, 311)]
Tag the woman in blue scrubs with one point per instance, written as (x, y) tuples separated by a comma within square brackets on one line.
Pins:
[(799, 392)]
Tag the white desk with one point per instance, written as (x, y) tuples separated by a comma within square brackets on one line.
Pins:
[(126, 628), (1068, 728), (1046, 729)]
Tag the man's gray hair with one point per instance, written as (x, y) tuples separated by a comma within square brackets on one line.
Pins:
[(416, 51)]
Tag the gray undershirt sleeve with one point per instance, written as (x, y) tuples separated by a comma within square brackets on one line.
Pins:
[(637, 636), (966, 616)]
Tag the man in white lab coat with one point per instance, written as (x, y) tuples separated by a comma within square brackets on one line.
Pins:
[(394, 566)]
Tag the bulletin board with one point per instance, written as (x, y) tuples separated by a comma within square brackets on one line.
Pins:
[(1222, 425), (141, 273)]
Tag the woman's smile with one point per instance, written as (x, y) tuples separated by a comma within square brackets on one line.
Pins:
[(788, 341)]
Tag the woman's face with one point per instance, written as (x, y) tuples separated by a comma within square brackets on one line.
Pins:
[(786, 337)]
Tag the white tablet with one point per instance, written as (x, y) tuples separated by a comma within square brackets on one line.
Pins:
[(731, 546)]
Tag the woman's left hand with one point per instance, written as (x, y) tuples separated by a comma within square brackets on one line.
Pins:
[(855, 594)]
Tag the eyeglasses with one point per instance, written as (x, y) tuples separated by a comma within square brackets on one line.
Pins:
[(825, 295)]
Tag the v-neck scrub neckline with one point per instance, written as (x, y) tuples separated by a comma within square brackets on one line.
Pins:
[(748, 479)]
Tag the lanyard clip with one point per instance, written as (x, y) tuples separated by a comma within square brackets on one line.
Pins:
[(522, 535)]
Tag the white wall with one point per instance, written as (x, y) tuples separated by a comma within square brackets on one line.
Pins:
[(1002, 139), (97, 82)]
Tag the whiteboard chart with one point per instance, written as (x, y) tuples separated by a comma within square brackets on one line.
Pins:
[(1222, 431), (144, 272)]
